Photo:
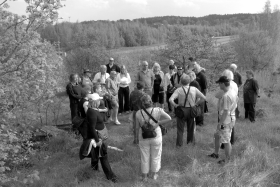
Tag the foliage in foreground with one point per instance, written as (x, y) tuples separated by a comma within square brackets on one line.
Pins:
[(29, 74)]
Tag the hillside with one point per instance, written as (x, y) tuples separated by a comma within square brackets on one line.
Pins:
[(209, 20)]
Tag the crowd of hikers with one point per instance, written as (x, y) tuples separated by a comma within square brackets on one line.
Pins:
[(98, 101)]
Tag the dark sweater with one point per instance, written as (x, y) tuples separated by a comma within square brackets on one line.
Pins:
[(81, 108), (74, 93), (114, 67), (95, 122)]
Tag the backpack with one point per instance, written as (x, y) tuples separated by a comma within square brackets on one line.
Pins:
[(148, 130)]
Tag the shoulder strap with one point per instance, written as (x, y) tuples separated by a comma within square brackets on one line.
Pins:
[(187, 94), (150, 115)]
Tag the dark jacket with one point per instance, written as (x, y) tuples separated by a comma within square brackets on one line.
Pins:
[(74, 93), (114, 67)]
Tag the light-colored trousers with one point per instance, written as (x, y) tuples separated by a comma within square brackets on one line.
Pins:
[(150, 150)]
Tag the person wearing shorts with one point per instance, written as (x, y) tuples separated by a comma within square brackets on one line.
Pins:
[(226, 107), (158, 86)]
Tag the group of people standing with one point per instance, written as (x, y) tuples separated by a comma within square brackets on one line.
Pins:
[(181, 86)]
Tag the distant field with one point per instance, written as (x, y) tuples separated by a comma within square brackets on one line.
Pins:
[(218, 41)]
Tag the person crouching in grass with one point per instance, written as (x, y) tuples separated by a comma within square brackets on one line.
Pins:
[(226, 108)]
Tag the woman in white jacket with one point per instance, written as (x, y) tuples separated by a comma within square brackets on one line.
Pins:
[(123, 79)]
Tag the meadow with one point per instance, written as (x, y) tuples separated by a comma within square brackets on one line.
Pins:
[(255, 158)]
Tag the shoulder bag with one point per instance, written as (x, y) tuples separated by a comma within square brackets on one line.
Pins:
[(163, 128), (195, 110)]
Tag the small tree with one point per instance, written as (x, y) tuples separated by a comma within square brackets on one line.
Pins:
[(182, 43), (254, 50), (29, 71)]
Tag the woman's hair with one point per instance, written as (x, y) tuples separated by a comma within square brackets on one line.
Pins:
[(228, 74), (93, 103), (146, 101), (125, 70), (156, 65)]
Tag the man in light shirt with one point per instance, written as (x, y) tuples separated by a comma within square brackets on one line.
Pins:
[(194, 97), (101, 76), (147, 77), (226, 107)]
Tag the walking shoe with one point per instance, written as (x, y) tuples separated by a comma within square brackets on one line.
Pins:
[(214, 155), (117, 122), (114, 180), (155, 176)]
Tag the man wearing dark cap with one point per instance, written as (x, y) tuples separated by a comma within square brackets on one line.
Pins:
[(112, 67), (169, 89), (135, 104), (226, 119)]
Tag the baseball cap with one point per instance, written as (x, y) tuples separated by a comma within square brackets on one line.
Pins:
[(111, 59), (222, 79), (87, 71)]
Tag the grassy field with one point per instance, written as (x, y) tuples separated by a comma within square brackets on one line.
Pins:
[(255, 158)]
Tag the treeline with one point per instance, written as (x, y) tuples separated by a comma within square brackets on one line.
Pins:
[(106, 33), (140, 32), (234, 20)]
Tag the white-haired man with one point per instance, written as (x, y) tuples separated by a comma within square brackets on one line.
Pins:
[(147, 77), (202, 81), (238, 80), (101, 76)]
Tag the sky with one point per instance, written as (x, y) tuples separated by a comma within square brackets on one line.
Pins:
[(86, 10)]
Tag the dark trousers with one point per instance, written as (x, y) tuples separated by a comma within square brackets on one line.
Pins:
[(168, 95), (123, 95), (200, 119), (250, 111), (74, 107), (104, 163), (190, 129)]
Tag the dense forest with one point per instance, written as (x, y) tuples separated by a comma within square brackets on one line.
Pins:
[(143, 31)]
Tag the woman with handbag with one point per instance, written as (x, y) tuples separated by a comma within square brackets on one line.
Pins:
[(150, 136), (96, 132)]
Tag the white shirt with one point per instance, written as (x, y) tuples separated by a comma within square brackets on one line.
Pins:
[(181, 95), (123, 80), (228, 102), (100, 77)]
